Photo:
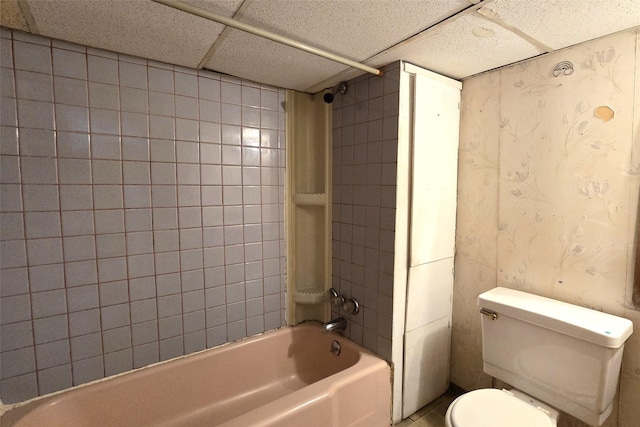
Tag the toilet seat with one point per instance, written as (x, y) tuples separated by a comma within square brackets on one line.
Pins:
[(492, 407)]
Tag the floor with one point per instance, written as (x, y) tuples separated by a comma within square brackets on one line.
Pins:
[(432, 415)]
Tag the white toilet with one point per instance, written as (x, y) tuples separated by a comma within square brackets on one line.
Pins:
[(563, 354)]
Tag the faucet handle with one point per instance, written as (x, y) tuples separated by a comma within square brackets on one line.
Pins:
[(335, 299), (351, 306)]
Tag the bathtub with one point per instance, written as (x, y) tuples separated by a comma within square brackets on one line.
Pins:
[(286, 377)]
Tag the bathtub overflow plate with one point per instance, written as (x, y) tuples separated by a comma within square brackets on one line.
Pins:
[(335, 348)]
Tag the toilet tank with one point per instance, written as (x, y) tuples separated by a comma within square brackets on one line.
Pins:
[(565, 355)]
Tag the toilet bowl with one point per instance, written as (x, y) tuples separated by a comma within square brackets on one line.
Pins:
[(492, 407)]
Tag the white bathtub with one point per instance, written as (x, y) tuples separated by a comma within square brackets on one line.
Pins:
[(287, 377)]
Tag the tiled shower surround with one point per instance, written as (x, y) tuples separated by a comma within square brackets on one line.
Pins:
[(142, 212), (365, 146)]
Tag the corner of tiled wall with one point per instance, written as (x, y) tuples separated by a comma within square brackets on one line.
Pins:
[(365, 141), (142, 212)]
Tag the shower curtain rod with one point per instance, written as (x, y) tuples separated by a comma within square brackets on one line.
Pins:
[(177, 4)]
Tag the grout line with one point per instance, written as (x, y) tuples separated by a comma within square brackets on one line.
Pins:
[(126, 244), (24, 220)]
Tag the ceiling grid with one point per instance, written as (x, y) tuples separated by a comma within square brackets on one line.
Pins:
[(456, 38)]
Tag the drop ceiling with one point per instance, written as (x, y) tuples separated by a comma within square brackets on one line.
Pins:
[(457, 38)]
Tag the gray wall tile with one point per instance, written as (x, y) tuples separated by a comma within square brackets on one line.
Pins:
[(127, 236), (364, 169)]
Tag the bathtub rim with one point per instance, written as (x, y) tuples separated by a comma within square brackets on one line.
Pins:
[(4, 408)]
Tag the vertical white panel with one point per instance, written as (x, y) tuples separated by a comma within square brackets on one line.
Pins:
[(401, 249), (435, 134), (426, 368), (435, 166), (429, 293)]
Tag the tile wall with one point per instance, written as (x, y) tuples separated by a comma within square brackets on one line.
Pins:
[(365, 145), (142, 212)]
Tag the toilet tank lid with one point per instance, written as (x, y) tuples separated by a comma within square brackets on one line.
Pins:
[(594, 326)]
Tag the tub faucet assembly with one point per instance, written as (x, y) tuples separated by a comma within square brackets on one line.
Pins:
[(350, 305), (338, 324)]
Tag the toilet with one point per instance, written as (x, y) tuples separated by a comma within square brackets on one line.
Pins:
[(558, 357)]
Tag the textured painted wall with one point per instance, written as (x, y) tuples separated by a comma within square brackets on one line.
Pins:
[(548, 194), (142, 212)]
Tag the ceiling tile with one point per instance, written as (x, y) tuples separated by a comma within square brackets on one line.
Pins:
[(355, 29), (11, 16), (135, 27), (376, 32), (462, 47), (342, 27), (333, 81), (255, 58), (558, 24)]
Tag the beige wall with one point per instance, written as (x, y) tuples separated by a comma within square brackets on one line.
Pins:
[(548, 194)]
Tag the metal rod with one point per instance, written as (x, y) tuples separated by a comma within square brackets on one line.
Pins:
[(177, 4)]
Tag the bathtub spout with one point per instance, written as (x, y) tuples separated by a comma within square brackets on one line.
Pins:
[(339, 324)]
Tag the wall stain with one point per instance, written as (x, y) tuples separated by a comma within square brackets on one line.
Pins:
[(604, 113)]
